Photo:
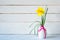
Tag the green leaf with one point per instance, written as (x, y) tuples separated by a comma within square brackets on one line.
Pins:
[(43, 18), (34, 23), (34, 28)]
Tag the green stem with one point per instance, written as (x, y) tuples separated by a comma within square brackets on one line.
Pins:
[(43, 18)]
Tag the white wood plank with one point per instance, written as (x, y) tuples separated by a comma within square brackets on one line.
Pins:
[(13, 28), (29, 2), (53, 27), (27, 9), (23, 28), (17, 18), (53, 17)]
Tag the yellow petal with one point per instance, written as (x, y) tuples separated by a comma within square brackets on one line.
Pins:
[(39, 14), (40, 11)]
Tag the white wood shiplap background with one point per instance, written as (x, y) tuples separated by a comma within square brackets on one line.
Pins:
[(17, 15)]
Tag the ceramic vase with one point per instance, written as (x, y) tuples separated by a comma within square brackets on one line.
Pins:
[(42, 32)]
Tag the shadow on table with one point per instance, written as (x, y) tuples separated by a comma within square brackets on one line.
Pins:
[(52, 36)]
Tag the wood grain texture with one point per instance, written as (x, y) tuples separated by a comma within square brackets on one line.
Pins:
[(19, 23), (29, 2), (27, 9), (27, 18), (17, 15), (23, 28)]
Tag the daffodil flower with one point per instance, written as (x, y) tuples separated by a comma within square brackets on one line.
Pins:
[(40, 11)]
